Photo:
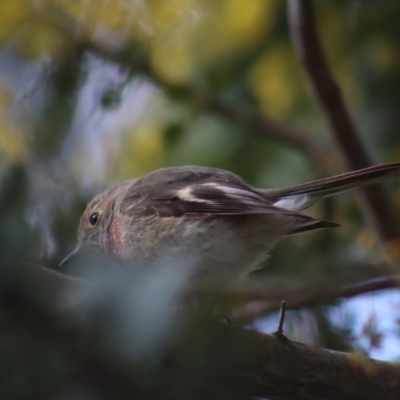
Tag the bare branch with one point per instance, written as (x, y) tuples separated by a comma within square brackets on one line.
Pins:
[(261, 297), (309, 294), (265, 128), (62, 291), (279, 369), (328, 96)]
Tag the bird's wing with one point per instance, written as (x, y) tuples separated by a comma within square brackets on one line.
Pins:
[(206, 198), (300, 197)]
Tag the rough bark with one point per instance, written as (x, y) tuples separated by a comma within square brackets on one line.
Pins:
[(276, 368)]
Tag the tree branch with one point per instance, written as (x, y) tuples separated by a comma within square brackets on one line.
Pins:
[(197, 354), (138, 61), (306, 295), (60, 290), (327, 95), (261, 297), (281, 369), (307, 46), (265, 128)]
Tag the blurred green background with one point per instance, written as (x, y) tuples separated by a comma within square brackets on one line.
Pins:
[(94, 92)]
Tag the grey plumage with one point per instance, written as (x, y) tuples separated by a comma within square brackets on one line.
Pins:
[(209, 214)]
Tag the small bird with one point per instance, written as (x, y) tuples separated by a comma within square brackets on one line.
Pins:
[(208, 216)]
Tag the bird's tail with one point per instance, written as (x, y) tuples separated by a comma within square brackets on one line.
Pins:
[(300, 197)]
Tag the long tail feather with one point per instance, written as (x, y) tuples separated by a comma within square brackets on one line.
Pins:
[(300, 197)]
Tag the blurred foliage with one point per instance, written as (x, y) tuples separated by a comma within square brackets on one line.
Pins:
[(93, 92)]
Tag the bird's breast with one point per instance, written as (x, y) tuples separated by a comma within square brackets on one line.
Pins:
[(116, 238)]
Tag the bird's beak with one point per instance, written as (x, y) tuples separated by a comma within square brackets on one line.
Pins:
[(73, 256), (85, 253), (87, 261)]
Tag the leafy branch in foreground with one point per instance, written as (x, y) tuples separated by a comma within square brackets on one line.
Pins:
[(232, 358)]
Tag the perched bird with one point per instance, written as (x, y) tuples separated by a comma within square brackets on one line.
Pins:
[(206, 215)]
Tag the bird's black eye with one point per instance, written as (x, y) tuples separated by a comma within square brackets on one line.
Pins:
[(93, 219)]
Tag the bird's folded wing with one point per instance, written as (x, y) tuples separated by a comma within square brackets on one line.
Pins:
[(200, 200)]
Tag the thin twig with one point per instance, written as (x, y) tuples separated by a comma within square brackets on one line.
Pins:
[(282, 311)]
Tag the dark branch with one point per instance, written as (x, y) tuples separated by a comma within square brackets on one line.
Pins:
[(309, 294), (263, 297), (265, 128), (279, 369), (137, 61), (327, 94), (231, 357)]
